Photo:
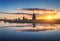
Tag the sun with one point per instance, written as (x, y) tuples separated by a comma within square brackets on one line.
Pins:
[(49, 17)]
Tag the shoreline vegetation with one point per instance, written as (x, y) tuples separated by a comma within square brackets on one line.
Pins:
[(33, 20), (54, 21)]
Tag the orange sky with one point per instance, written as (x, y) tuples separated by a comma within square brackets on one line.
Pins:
[(43, 14)]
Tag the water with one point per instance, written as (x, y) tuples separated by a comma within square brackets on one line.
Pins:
[(27, 32)]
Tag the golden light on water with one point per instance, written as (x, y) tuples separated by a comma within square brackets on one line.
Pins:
[(39, 28)]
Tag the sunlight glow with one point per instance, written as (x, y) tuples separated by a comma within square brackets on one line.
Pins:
[(49, 17)]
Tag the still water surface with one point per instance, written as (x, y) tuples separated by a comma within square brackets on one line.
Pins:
[(20, 31)]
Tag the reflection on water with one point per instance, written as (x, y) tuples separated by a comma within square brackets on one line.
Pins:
[(29, 26), (16, 31)]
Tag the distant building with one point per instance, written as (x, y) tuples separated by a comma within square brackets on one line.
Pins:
[(18, 18), (24, 18), (4, 18), (34, 17)]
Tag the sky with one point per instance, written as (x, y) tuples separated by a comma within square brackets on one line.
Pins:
[(11, 5)]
